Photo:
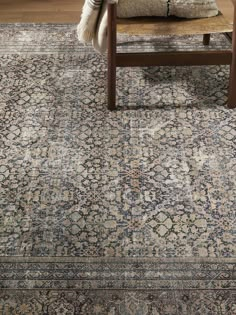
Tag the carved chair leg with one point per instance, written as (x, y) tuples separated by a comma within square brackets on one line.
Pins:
[(111, 55), (206, 39)]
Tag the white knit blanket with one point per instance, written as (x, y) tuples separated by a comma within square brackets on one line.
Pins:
[(93, 23)]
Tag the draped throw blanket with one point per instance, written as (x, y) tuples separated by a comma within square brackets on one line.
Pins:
[(93, 23)]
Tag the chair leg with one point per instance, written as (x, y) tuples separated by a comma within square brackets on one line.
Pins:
[(232, 85), (206, 39), (111, 88), (232, 82)]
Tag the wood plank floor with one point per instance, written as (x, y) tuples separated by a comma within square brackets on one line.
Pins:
[(60, 11), (45, 11)]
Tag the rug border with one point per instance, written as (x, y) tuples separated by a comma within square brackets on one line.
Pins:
[(69, 259)]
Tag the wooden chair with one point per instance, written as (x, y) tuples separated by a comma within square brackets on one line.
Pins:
[(169, 26)]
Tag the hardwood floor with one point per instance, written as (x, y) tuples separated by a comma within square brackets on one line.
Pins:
[(60, 11), (45, 11)]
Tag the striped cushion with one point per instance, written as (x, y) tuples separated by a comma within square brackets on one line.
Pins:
[(180, 8)]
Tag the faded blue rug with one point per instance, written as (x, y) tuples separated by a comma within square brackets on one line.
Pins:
[(117, 213)]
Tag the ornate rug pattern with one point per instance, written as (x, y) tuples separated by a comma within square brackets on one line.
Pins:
[(126, 212)]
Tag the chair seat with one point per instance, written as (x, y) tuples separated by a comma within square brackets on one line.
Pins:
[(173, 26)]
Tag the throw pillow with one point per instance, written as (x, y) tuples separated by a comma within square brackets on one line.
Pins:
[(179, 8)]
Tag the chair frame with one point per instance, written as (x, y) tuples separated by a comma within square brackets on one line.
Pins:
[(183, 58)]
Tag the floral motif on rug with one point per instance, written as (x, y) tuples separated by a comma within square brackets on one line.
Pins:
[(95, 204)]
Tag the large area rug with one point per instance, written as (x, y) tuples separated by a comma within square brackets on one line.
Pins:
[(120, 213)]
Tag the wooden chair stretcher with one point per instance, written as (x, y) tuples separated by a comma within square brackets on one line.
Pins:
[(169, 26)]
